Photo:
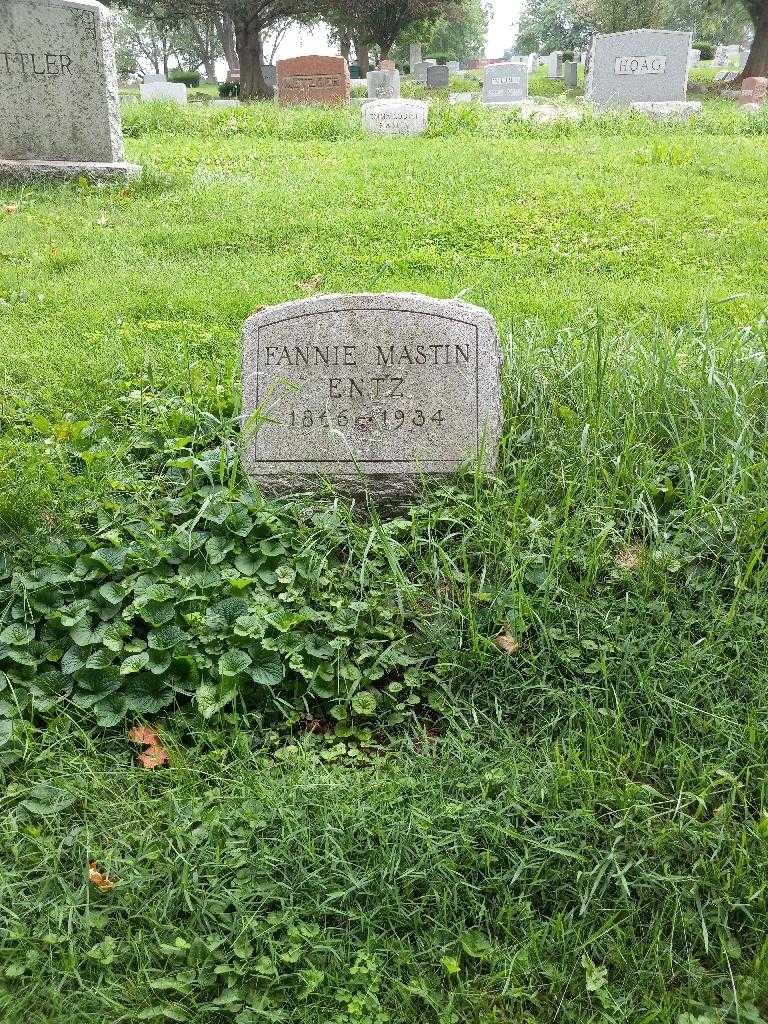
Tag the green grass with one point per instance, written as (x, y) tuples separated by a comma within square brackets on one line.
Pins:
[(572, 832)]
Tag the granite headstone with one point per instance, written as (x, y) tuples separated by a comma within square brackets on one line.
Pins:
[(372, 392), (555, 65), (168, 92), (504, 84), (59, 104), (437, 76), (570, 74), (395, 117), (643, 66), (313, 80), (383, 85)]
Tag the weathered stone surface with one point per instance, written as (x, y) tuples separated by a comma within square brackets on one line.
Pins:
[(438, 76), (753, 90), (555, 65), (166, 92), (571, 74), (313, 80), (419, 73), (670, 109), (383, 85), (28, 171), (454, 67), (504, 84), (414, 55), (395, 117), (58, 89), (369, 391), (694, 58), (644, 66), (269, 74)]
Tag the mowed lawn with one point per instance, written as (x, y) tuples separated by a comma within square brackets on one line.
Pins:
[(574, 825)]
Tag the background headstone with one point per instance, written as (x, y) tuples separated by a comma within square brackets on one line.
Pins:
[(414, 55), (533, 63), (419, 73), (383, 85), (152, 78), (644, 66), (555, 65), (369, 391), (437, 76), (570, 74), (454, 67), (754, 90), (721, 57), (170, 92), (59, 103), (504, 84), (269, 73), (395, 117), (694, 57), (313, 80)]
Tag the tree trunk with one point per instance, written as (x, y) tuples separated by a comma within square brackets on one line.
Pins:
[(249, 50), (361, 53), (757, 61), (210, 70), (345, 45), (226, 32), (385, 52)]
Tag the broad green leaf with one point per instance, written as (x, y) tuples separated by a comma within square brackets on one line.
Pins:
[(266, 668), (212, 698), (134, 663), (166, 638), (18, 634), (233, 662)]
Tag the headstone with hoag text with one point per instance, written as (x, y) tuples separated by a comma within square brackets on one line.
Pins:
[(59, 104), (369, 391), (643, 66)]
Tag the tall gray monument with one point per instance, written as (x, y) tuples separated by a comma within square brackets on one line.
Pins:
[(643, 66), (59, 105), (372, 392)]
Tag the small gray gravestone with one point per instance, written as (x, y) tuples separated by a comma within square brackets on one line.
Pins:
[(694, 58), (419, 73), (454, 67), (570, 74), (721, 57), (269, 74), (644, 66), (167, 92), (504, 84), (152, 78), (59, 104), (414, 55), (437, 76), (395, 117), (555, 65), (383, 85), (533, 63), (369, 391)]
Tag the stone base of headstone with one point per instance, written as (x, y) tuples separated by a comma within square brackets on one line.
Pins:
[(661, 111), (29, 171)]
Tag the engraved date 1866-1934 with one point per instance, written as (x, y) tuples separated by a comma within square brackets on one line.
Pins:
[(388, 419)]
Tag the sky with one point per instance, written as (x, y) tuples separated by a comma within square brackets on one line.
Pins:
[(500, 35)]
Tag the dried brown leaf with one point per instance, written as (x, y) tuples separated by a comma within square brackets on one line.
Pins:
[(508, 642), (629, 558), (312, 284), (11, 208), (100, 879)]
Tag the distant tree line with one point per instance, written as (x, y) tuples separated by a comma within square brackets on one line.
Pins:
[(245, 33)]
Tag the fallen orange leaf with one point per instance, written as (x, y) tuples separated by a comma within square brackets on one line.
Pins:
[(155, 754), (100, 879), (152, 757), (143, 734)]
